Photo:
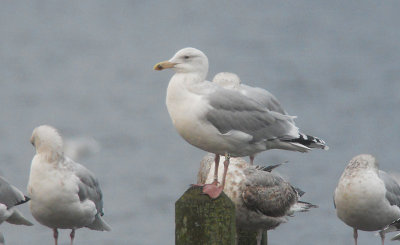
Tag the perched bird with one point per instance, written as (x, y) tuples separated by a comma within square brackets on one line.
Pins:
[(64, 194), (367, 198), (263, 200), (10, 197), (224, 121)]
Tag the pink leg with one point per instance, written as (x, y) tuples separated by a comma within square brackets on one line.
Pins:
[(216, 160), (212, 190), (355, 235), (72, 235), (55, 235), (226, 165), (382, 237), (251, 160)]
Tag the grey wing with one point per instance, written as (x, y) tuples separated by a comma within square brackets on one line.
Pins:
[(268, 193), (89, 187), (263, 97), (230, 110), (392, 188), (10, 195)]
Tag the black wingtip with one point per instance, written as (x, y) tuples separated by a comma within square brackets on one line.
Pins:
[(311, 141), (271, 167), (23, 201)]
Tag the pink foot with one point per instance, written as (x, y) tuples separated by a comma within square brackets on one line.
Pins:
[(212, 190)]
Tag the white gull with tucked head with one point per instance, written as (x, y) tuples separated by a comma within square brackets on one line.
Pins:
[(64, 194), (367, 198), (224, 121)]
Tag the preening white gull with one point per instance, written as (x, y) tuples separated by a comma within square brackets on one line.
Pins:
[(64, 194), (367, 198), (263, 199), (223, 121)]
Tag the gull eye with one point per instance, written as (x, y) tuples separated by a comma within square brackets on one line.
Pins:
[(186, 57)]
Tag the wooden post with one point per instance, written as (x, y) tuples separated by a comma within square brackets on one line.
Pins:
[(200, 220), (264, 240), (246, 237)]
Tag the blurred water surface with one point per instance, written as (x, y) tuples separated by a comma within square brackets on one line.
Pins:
[(85, 67)]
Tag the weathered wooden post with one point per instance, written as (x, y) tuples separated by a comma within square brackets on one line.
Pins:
[(202, 221), (246, 237), (264, 240)]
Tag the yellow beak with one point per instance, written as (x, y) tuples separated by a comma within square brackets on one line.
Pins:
[(163, 65)]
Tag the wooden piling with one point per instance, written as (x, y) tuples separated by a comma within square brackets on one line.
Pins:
[(246, 237), (200, 220)]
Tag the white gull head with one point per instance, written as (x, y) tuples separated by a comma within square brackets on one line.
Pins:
[(187, 60), (227, 80), (47, 140)]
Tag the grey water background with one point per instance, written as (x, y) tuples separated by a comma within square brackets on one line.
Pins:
[(85, 67)]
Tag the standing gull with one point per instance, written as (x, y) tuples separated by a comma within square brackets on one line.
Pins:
[(10, 197), (367, 198), (223, 121), (64, 194), (263, 200)]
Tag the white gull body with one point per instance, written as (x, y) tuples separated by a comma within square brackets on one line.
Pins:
[(224, 121), (220, 120), (263, 200), (367, 198), (64, 194)]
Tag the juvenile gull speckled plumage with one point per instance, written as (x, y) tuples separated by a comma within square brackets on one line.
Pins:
[(263, 200), (223, 121), (367, 198), (64, 194)]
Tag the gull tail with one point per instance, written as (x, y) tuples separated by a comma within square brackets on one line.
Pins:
[(99, 224), (270, 167), (310, 141)]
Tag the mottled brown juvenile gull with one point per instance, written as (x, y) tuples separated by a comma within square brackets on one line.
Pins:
[(367, 198), (64, 194), (263, 200), (223, 121)]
